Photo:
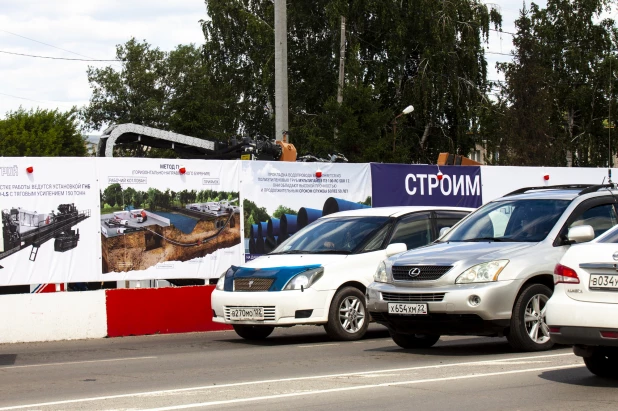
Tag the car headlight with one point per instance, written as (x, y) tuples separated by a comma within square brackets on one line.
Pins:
[(221, 282), (482, 273), (380, 275), (305, 279)]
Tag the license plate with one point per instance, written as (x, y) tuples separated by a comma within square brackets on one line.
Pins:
[(603, 282), (247, 313), (407, 309)]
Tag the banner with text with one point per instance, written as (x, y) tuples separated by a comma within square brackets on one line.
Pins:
[(165, 219), (280, 198), (49, 229), (423, 185)]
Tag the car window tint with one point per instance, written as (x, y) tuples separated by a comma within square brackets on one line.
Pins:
[(376, 242), (610, 237), (526, 220), (446, 222), (413, 232), (601, 218)]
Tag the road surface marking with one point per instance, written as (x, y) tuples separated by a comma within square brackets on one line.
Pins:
[(358, 387), (274, 381), (75, 362), (316, 345)]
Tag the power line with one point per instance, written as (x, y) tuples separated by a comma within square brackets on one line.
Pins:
[(47, 44), (36, 101), (502, 31), (54, 58)]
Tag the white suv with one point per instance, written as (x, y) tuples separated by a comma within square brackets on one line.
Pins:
[(584, 308), (320, 274)]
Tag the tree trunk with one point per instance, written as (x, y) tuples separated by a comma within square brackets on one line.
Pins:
[(425, 135)]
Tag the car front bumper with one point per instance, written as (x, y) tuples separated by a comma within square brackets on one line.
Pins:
[(450, 310), (281, 308)]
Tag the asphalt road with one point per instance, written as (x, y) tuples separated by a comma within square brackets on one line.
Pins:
[(294, 368)]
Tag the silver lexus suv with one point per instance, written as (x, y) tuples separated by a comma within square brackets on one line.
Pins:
[(492, 273)]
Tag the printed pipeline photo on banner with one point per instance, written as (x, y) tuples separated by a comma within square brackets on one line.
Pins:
[(279, 199), (426, 185), (161, 219), (49, 220)]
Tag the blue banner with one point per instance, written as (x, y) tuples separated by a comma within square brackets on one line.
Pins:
[(424, 185)]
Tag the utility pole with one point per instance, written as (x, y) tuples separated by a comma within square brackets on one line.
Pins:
[(341, 62), (341, 67), (281, 70)]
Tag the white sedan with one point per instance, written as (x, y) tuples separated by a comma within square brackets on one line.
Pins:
[(320, 274), (583, 310)]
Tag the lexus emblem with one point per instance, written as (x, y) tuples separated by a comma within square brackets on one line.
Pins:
[(415, 272), (615, 256), (250, 283)]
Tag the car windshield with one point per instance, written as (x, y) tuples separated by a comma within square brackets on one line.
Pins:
[(506, 221), (337, 235)]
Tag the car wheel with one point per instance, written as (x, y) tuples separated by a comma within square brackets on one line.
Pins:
[(348, 318), (528, 331), (253, 332), (603, 364), (408, 341)]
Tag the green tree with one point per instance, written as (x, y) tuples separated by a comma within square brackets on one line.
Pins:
[(41, 133), (138, 199), (128, 196), (281, 210), (258, 214), (166, 90), (424, 53), (112, 194), (559, 86)]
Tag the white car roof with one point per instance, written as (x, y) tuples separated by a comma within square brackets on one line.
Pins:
[(393, 211)]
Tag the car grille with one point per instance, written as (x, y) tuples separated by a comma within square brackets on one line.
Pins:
[(427, 272), (415, 298), (269, 311), (252, 284)]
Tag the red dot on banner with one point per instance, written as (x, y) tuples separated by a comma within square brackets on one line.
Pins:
[(440, 176), (546, 177), (318, 174), (30, 169), (182, 170)]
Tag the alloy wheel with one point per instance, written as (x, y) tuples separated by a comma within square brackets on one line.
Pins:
[(536, 327), (351, 314)]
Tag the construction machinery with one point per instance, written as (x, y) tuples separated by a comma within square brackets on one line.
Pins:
[(22, 228), (244, 148)]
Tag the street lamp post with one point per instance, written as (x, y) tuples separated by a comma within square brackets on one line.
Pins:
[(406, 110)]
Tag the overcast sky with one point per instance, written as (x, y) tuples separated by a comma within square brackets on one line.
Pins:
[(92, 29)]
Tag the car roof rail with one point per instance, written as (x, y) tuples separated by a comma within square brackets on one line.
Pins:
[(583, 187), (594, 188)]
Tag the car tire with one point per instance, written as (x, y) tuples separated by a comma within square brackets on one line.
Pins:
[(603, 364), (528, 330), (410, 341), (253, 332), (348, 317)]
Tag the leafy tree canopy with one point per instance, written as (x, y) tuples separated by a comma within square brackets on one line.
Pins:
[(559, 88), (281, 210), (424, 53), (41, 133)]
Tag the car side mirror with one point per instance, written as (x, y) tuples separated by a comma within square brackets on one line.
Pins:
[(444, 230), (580, 234), (396, 248)]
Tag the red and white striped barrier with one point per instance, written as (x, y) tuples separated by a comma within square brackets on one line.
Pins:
[(52, 316)]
